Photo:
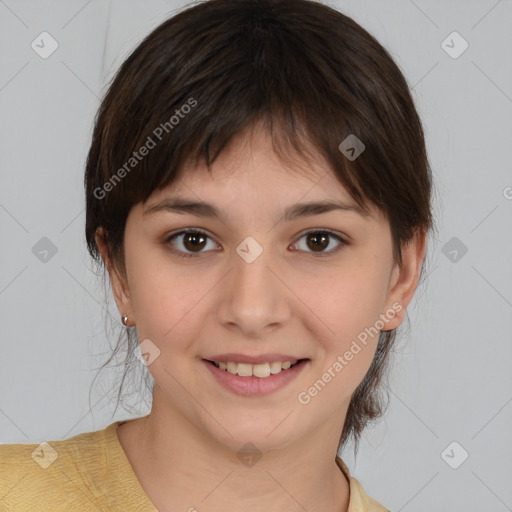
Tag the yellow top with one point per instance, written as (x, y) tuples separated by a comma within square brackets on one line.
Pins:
[(90, 472)]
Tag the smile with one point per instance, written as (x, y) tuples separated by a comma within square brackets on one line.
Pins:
[(255, 379), (261, 370)]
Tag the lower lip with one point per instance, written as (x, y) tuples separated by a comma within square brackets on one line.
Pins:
[(255, 386)]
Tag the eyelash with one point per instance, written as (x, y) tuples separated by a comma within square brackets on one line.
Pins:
[(182, 254)]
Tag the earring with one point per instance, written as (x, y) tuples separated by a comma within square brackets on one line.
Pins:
[(124, 319)]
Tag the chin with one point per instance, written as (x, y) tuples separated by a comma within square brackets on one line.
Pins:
[(264, 435)]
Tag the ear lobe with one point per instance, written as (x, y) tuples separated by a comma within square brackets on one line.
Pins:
[(405, 278), (119, 286)]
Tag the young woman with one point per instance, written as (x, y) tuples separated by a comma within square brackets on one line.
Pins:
[(259, 192)]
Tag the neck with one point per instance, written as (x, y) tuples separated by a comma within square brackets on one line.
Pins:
[(179, 468)]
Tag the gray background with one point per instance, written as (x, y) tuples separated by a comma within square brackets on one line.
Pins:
[(451, 378)]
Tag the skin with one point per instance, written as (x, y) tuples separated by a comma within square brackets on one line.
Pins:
[(289, 300)]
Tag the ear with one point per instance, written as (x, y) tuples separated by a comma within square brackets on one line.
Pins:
[(404, 279), (119, 285)]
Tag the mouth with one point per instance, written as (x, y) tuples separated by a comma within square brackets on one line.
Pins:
[(261, 370), (254, 380)]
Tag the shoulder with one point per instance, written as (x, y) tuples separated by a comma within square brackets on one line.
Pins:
[(365, 502), (359, 500), (54, 475)]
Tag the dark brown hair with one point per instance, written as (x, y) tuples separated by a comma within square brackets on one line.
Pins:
[(312, 75)]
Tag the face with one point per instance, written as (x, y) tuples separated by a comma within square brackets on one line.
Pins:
[(262, 281)]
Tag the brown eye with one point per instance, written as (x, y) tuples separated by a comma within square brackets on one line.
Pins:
[(194, 241), (189, 243), (319, 240)]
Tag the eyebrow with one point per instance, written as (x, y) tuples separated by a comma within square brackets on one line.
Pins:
[(202, 209)]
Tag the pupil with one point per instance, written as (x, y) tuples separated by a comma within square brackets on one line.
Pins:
[(194, 237), (316, 236)]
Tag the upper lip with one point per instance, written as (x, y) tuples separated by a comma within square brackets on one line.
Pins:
[(263, 358)]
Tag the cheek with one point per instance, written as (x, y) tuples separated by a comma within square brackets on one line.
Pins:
[(347, 337), (166, 309), (165, 299), (348, 301)]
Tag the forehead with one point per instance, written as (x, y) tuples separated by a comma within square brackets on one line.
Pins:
[(252, 167)]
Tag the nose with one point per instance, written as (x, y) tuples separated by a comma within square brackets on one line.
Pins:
[(254, 299)]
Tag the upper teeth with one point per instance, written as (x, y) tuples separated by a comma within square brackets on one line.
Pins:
[(256, 370)]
